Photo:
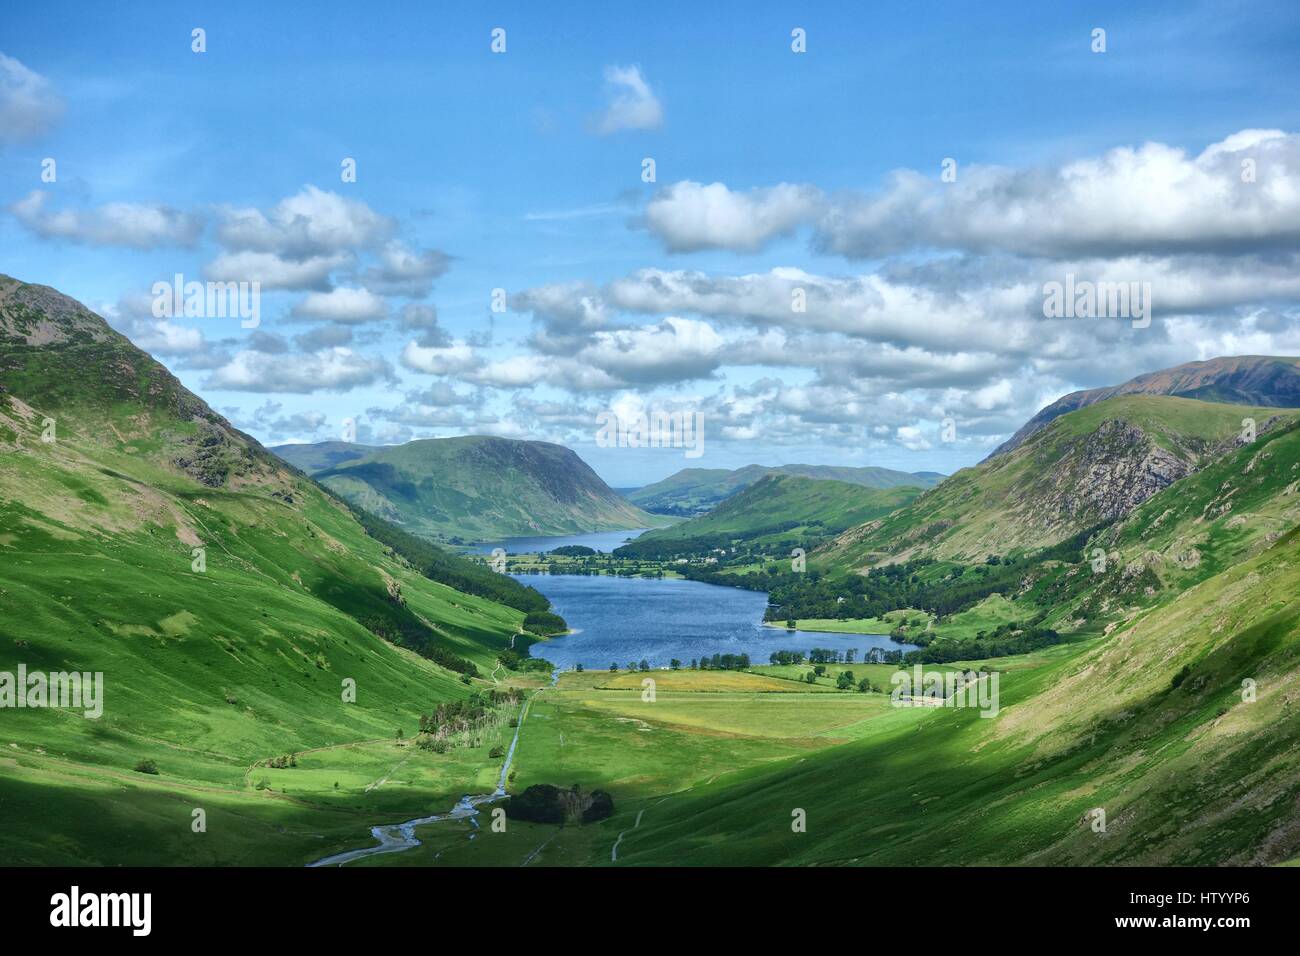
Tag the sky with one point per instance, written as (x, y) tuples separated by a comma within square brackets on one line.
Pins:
[(843, 255)]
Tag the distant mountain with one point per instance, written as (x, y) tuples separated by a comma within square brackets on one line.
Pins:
[(1088, 467), (693, 491), (321, 455), (777, 507), (1260, 380), (475, 488)]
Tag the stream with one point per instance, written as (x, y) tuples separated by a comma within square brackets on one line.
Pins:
[(397, 837)]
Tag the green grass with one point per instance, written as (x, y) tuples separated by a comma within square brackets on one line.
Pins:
[(480, 488), (780, 506), (1039, 493)]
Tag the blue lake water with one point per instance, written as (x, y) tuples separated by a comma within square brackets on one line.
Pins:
[(603, 541), (619, 620)]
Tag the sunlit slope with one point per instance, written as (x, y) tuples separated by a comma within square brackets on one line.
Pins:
[(1087, 468), (1149, 725), (207, 667), (778, 503), (694, 490), (479, 488)]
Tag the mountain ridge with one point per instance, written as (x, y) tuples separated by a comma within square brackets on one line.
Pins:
[(1260, 380), (693, 491), (476, 488)]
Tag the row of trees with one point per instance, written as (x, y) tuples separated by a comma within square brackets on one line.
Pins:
[(465, 721)]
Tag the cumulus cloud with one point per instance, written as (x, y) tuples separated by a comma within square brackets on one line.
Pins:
[(336, 369), (132, 225), (323, 337), (29, 106), (343, 305), (423, 319), (132, 315), (632, 104), (1240, 194), (300, 241), (313, 222), (405, 271), (275, 272), (689, 216), (675, 350), (272, 424), (456, 358)]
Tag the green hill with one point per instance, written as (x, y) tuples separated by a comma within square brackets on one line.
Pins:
[(224, 597), (694, 491), (475, 488), (318, 456), (778, 505), (1259, 380), (1086, 468), (1150, 725)]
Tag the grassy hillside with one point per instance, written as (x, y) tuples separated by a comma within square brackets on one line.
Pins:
[(1087, 468), (318, 456), (1149, 724), (211, 668), (1259, 380), (778, 505), (693, 491), (479, 488)]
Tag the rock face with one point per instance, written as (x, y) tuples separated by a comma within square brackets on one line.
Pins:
[(1261, 380), (44, 334), (1088, 468), (1105, 476)]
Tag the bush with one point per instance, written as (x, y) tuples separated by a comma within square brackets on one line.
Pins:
[(146, 766), (543, 803)]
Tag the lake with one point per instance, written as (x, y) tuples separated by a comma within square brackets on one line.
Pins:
[(602, 541), (632, 619)]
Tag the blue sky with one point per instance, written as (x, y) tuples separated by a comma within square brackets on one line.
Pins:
[(774, 170)]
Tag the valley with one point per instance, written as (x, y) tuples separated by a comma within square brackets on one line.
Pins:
[(295, 666)]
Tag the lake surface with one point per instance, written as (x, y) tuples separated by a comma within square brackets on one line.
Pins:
[(602, 541), (632, 619)]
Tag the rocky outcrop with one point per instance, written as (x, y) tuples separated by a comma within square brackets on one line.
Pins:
[(1105, 476)]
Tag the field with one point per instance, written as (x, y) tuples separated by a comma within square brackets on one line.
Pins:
[(646, 753)]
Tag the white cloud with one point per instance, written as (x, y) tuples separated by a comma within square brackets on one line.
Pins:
[(29, 106), (342, 305), (1153, 199), (632, 104), (311, 223), (336, 369), (133, 225), (457, 358), (302, 239), (675, 350), (689, 216), (405, 271), (274, 272)]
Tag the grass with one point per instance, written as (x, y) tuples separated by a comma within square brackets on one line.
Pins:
[(209, 674)]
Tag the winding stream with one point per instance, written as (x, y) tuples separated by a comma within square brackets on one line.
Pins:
[(397, 837)]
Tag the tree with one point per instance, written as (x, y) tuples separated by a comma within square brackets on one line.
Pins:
[(613, 666), (675, 664), (578, 667)]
